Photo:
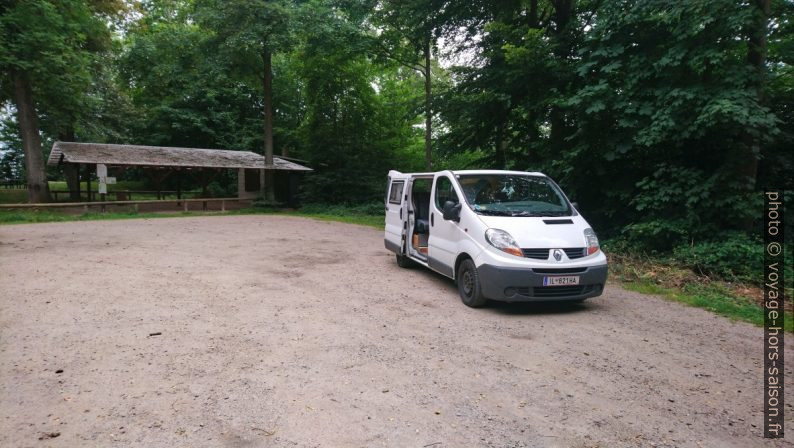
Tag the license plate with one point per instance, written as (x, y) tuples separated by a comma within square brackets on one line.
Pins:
[(561, 281)]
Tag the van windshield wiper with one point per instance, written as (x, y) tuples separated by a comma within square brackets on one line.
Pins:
[(549, 214), (553, 214), (494, 212)]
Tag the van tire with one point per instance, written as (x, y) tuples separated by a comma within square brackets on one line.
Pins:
[(469, 285), (403, 261)]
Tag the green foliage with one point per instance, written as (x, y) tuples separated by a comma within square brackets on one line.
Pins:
[(671, 83), (675, 280), (734, 256), (13, 196), (56, 44), (183, 98), (355, 124), (12, 158), (648, 113), (219, 189)]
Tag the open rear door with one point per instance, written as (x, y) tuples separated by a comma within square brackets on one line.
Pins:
[(396, 212)]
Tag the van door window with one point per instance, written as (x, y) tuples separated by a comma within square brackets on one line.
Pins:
[(396, 192), (445, 192)]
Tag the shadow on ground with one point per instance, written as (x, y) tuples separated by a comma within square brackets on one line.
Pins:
[(508, 308)]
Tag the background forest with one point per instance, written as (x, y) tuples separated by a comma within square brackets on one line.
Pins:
[(663, 119)]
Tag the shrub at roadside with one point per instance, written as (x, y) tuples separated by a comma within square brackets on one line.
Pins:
[(735, 257)]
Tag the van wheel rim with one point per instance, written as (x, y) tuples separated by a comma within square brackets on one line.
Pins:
[(468, 283)]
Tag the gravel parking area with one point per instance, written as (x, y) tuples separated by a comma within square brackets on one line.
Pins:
[(282, 331)]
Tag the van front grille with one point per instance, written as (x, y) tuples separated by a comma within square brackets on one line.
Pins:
[(575, 252), (538, 254), (543, 254)]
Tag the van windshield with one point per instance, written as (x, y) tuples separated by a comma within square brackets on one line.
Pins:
[(513, 195)]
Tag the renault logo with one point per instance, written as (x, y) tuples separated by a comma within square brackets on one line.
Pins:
[(557, 254)]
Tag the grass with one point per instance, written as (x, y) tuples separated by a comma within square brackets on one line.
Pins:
[(39, 216), (8, 196), (60, 185), (735, 301), (363, 220)]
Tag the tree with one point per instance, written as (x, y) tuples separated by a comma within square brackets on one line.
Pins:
[(667, 94), (500, 100), (407, 33), (45, 52), (249, 32), (358, 121)]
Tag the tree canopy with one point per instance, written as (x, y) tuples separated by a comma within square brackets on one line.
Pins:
[(663, 119)]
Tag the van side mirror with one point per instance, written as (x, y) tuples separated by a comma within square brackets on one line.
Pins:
[(451, 211), (575, 205)]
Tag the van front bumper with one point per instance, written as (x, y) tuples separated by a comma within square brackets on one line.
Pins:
[(526, 284)]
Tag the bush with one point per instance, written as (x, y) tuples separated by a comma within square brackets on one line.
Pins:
[(655, 236), (218, 189), (735, 256)]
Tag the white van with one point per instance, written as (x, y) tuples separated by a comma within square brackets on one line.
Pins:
[(501, 235)]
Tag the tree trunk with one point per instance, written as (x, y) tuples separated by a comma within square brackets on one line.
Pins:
[(70, 172), (533, 14), (564, 11), (534, 137), (268, 185), (500, 146), (38, 190), (428, 108), (747, 162)]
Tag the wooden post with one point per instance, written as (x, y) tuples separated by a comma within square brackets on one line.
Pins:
[(88, 180), (79, 198), (157, 181), (223, 206), (178, 185), (102, 186), (185, 203)]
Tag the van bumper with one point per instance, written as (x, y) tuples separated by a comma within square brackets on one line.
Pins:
[(526, 284)]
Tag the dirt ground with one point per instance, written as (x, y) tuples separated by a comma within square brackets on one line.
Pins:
[(280, 331)]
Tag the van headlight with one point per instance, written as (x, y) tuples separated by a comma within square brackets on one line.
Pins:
[(592, 241), (503, 241)]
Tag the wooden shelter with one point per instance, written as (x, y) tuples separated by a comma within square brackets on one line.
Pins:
[(161, 161)]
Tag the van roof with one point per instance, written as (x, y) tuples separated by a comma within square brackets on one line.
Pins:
[(532, 173), (394, 173)]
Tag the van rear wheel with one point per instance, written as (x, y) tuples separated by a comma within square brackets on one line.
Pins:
[(469, 285)]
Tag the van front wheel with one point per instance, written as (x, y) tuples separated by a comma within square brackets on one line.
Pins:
[(469, 285), (403, 261)]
